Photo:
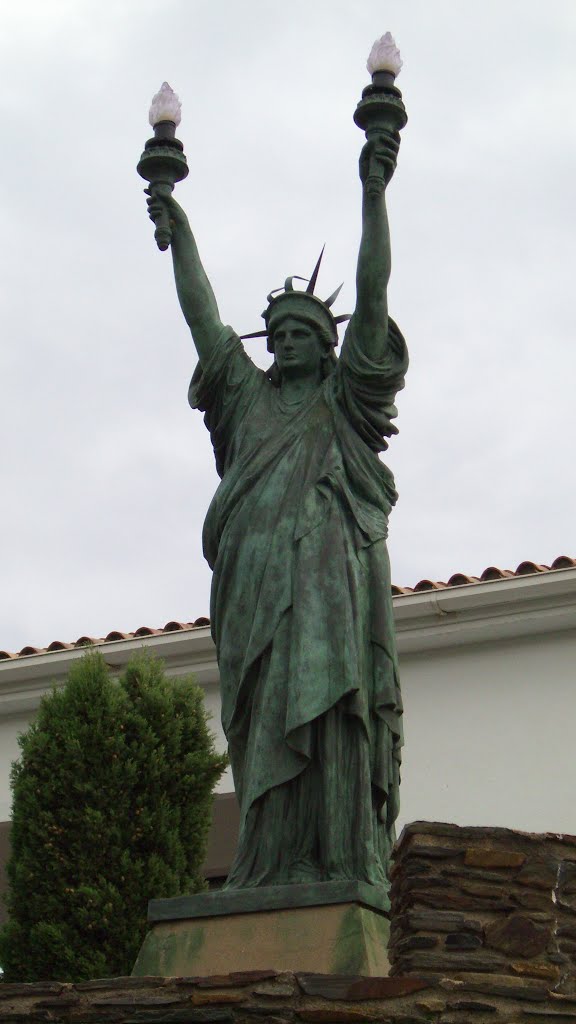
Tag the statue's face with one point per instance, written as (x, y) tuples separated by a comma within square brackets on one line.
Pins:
[(298, 349)]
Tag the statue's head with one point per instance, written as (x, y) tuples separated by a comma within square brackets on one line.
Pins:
[(301, 306), (317, 323), (302, 347)]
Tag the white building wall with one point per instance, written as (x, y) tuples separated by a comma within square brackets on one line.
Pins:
[(489, 687), (10, 728), (491, 734)]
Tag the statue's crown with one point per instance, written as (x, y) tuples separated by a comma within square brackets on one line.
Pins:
[(302, 304)]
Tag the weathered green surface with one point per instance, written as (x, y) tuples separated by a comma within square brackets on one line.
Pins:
[(338, 939), (273, 897), (296, 535), (163, 164)]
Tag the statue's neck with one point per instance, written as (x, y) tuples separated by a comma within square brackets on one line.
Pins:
[(295, 389)]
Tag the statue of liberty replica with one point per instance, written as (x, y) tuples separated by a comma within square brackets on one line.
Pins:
[(301, 609)]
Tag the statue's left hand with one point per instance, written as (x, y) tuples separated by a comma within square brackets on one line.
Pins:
[(378, 159)]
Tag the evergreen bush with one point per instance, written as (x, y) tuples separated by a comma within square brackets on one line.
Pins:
[(111, 806)]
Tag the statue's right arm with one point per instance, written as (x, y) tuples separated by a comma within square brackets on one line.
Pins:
[(194, 290)]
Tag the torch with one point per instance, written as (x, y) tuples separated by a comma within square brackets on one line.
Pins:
[(163, 162), (381, 110)]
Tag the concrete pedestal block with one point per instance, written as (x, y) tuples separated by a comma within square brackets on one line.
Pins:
[(342, 928)]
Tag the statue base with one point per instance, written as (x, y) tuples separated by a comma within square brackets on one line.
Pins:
[(324, 927)]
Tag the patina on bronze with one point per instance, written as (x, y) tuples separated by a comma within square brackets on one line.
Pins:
[(301, 607), (163, 162)]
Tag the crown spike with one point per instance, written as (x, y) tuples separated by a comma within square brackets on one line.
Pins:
[(328, 302), (343, 316), (255, 334), (312, 282)]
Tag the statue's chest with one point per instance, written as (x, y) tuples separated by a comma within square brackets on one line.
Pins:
[(307, 424)]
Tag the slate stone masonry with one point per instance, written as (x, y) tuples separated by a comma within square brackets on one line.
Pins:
[(489, 902), (483, 931)]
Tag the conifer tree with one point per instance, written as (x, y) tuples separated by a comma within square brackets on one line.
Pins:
[(111, 806)]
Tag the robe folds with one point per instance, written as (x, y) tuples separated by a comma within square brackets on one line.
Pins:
[(301, 611)]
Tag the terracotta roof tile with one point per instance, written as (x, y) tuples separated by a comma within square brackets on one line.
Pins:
[(87, 641), (458, 579), (429, 585), (563, 562), (493, 573), (525, 568)]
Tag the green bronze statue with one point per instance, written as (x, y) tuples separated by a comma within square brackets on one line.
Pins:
[(301, 607)]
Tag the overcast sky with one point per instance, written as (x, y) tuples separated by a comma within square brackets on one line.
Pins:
[(105, 473)]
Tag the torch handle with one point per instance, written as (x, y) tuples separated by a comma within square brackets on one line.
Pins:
[(380, 112), (379, 168), (163, 232), (162, 164)]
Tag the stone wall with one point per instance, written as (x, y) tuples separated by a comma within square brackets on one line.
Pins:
[(238, 997), (496, 908), (483, 931), (268, 996)]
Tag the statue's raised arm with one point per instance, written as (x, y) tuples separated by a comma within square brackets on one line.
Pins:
[(377, 161), (194, 290), (162, 164), (381, 114)]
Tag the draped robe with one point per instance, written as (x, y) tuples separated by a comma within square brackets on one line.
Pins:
[(301, 611)]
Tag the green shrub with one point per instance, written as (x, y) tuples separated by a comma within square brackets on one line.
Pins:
[(111, 806)]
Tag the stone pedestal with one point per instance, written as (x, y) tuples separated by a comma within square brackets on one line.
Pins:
[(330, 928)]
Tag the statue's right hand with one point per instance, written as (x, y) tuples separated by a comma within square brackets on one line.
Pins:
[(160, 200), (378, 159)]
